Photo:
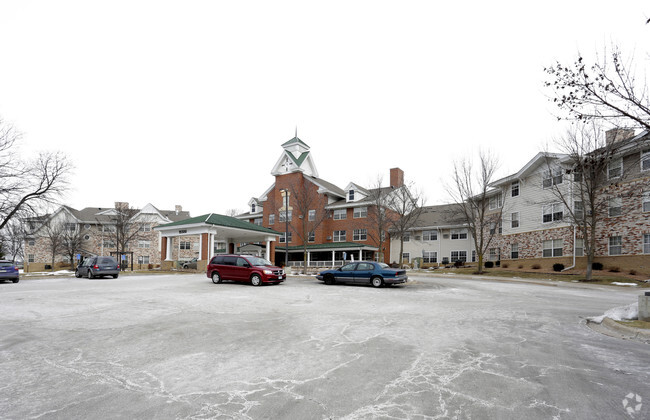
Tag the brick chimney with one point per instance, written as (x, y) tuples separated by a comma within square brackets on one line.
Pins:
[(178, 209), (396, 177), (618, 134)]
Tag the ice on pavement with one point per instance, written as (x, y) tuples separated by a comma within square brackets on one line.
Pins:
[(620, 313)]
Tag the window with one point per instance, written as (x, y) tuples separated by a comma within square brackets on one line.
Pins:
[(514, 251), (552, 213), (646, 201), (108, 244), (646, 243), (86, 237), (406, 237), (496, 201), (430, 235), (71, 227), (615, 245), (360, 234), (492, 254), (552, 248), (185, 245), (144, 244), (271, 219), (253, 208), (284, 215), (258, 221), (493, 228), (360, 212), (351, 195), (31, 242), (340, 214), (339, 236), (458, 234), (30, 258), (615, 168), (514, 189), (283, 237), (406, 257), (311, 216), (109, 228), (145, 227), (458, 256), (580, 247), (432, 256), (645, 160), (285, 199), (514, 220), (552, 177), (311, 237), (143, 259), (615, 206), (578, 210)]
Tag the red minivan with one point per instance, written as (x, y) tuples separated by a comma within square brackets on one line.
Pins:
[(245, 268)]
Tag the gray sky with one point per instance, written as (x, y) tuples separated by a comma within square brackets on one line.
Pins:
[(188, 102)]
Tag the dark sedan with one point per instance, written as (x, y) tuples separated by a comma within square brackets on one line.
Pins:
[(364, 272), (8, 271), (98, 267)]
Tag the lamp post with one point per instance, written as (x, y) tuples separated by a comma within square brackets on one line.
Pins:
[(286, 223)]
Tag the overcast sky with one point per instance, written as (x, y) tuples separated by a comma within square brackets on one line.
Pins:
[(188, 102)]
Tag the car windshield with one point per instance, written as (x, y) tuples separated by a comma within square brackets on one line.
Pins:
[(259, 261)]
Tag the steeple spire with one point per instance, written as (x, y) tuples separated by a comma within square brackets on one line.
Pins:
[(296, 136)]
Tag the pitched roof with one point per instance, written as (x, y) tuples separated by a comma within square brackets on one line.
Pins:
[(220, 220), (441, 215), (294, 141)]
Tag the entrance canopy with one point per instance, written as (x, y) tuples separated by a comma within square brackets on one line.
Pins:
[(213, 228)]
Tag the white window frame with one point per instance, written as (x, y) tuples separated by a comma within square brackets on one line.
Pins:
[(645, 160), (360, 212), (339, 236), (496, 201), (143, 259), (615, 207), (350, 195), (284, 235), (406, 237), (514, 188), (579, 247), (555, 248), (514, 220), (340, 214), (429, 257), (271, 219), (311, 236), (460, 256), (615, 243), (430, 235), (311, 215), (615, 168), (552, 177), (645, 202), (185, 245), (144, 244), (553, 212), (360, 235), (460, 234), (283, 214), (514, 251), (646, 243)]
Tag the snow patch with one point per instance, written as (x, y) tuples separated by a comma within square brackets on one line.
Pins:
[(620, 313), (616, 283)]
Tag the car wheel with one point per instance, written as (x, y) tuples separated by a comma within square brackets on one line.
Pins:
[(115, 276), (377, 281), (90, 275), (329, 280), (216, 278), (256, 280), (77, 274), (15, 280)]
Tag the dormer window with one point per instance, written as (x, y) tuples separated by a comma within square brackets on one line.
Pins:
[(351, 195), (253, 208)]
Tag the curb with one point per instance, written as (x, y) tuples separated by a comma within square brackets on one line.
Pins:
[(620, 331)]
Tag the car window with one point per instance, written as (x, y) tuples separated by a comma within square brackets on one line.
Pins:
[(364, 267), (218, 260), (106, 261), (5, 264), (257, 261), (241, 262), (229, 260), (349, 267)]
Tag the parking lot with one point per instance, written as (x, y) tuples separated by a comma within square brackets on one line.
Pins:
[(179, 346)]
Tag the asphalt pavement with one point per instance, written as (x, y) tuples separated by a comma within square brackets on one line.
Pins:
[(178, 346)]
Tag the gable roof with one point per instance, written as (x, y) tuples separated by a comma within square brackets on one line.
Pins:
[(293, 141), (220, 220)]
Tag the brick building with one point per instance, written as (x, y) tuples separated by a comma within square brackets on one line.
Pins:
[(94, 230), (321, 224)]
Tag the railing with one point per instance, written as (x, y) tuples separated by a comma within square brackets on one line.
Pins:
[(337, 263)]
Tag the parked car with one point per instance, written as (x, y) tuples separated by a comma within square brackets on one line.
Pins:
[(189, 264), (98, 267), (364, 272), (244, 268), (9, 271)]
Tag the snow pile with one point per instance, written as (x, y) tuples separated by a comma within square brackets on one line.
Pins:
[(623, 284), (630, 311)]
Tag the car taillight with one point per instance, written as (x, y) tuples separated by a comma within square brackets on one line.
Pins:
[(118, 266), (95, 266), (15, 268)]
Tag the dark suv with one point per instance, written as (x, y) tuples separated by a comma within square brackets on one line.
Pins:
[(98, 267), (244, 268)]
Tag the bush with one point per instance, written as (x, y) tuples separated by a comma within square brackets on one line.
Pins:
[(597, 266), (558, 267), (632, 272), (520, 266), (504, 265), (489, 264), (614, 270), (458, 263), (536, 266)]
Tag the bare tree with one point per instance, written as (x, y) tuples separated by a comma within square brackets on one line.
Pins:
[(125, 228), (25, 185), (53, 232), (308, 207), (406, 204), (73, 239), (13, 239), (588, 156), (232, 212), (606, 90), (471, 191), (378, 219)]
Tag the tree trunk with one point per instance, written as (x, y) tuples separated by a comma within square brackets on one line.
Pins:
[(480, 263)]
